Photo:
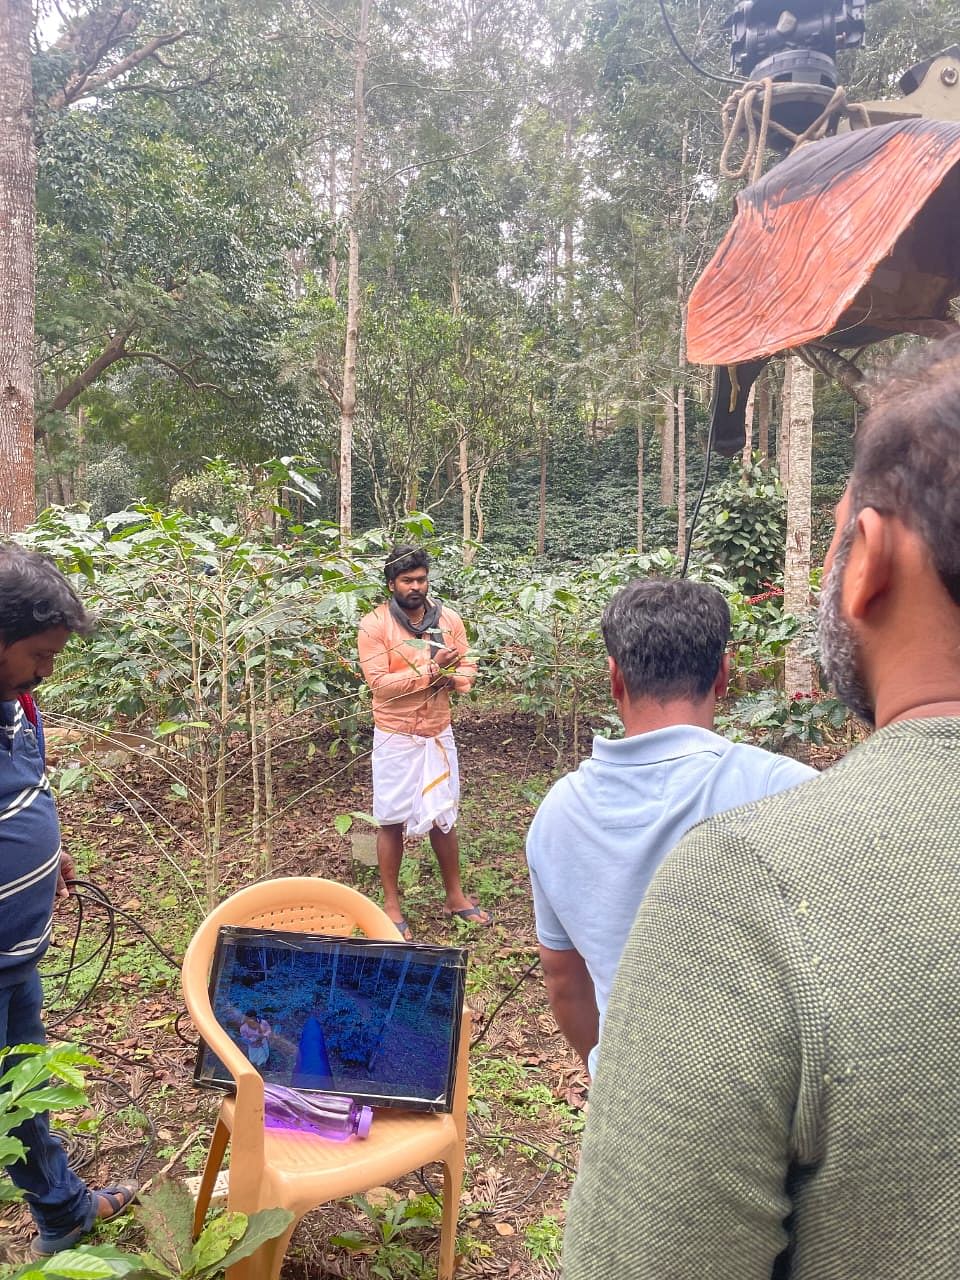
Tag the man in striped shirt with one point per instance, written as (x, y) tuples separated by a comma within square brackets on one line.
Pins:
[(38, 613)]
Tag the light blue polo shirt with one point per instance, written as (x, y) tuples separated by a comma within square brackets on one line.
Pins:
[(601, 832)]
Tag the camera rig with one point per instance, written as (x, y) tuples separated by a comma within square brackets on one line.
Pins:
[(796, 48)]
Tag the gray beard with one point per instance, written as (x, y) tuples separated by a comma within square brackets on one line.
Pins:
[(836, 641)]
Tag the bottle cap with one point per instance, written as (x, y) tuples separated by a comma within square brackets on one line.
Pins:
[(364, 1121)]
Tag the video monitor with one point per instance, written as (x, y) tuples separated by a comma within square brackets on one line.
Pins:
[(371, 1020)]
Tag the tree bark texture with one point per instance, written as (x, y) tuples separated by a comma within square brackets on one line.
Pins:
[(748, 435), (18, 170), (348, 403), (639, 484), (333, 266), (681, 469), (668, 460), (542, 498), (783, 435), (682, 354), (798, 669), (463, 455), (763, 417)]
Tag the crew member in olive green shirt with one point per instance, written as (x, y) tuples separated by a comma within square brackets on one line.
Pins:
[(778, 1089)]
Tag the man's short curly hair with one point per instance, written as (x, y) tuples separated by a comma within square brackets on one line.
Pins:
[(403, 559), (667, 636), (35, 596), (907, 458)]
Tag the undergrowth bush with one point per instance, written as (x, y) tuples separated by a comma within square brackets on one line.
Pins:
[(221, 643)]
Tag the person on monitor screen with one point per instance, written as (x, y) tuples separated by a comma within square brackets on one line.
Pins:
[(39, 611), (255, 1033), (413, 654), (778, 1091), (602, 831)]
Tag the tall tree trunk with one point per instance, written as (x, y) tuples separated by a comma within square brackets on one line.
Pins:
[(333, 266), (639, 483), (681, 467), (798, 669), (478, 503), (348, 402), (783, 435), (542, 498), (568, 211), (18, 170), (763, 417), (748, 434), (463, 454), (668, 461), (682, 353)]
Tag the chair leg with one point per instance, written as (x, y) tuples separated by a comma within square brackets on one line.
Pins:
[(266, 1262), (218, 1147), (452, 1188)]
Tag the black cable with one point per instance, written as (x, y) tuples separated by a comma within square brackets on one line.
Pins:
[(179, 1034), (485, 1027), (92, 894), (699, 502), (85, 891), (522, 1142), (96, 895), (710, 75), (150, 1143)]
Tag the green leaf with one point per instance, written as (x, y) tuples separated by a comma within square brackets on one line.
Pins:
[(343, 822), (58, 1097), (216, 1238), (90, 1262), (154, 1267), (264, 1225), (11, 1149), (166, 1215), (355, 1241)]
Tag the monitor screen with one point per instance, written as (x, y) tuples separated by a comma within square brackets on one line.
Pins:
[(371, 1020)]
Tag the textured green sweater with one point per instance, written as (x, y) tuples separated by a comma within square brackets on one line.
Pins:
[(778, 1093)]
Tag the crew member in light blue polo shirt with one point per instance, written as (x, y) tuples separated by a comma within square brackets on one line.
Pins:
[(601, 832)]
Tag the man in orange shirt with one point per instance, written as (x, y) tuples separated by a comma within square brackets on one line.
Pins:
[(413, 652)]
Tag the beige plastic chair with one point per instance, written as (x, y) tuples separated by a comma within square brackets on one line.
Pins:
[(277, 1168)]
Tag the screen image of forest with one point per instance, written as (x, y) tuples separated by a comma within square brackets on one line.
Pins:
[(369, 1020)]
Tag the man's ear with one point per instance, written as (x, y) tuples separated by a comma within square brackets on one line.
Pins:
[(723, 678), (870, 565), (618, 690)]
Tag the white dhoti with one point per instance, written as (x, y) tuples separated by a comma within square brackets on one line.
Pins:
[(416, 781)]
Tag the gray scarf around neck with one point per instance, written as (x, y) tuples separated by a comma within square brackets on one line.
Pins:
[(429, 623)]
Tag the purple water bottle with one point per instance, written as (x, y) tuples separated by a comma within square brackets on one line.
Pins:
[(326, 1116)]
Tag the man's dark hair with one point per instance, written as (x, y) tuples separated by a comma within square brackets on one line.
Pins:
[(403, 559), (907, 459), (35, 596), (667, 636)]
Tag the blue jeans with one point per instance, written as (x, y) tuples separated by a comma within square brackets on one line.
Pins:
[(57, 1198)]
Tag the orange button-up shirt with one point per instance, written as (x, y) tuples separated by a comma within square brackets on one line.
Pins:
[(398, 668)]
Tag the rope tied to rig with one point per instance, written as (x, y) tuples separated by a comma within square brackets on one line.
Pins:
[(747, 118)]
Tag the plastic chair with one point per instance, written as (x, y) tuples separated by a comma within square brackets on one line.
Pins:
[(277, 1168)]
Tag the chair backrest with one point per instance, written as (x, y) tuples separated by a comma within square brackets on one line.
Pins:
[(304, 904)]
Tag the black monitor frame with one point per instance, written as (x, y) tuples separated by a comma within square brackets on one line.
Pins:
[(454, 959)]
